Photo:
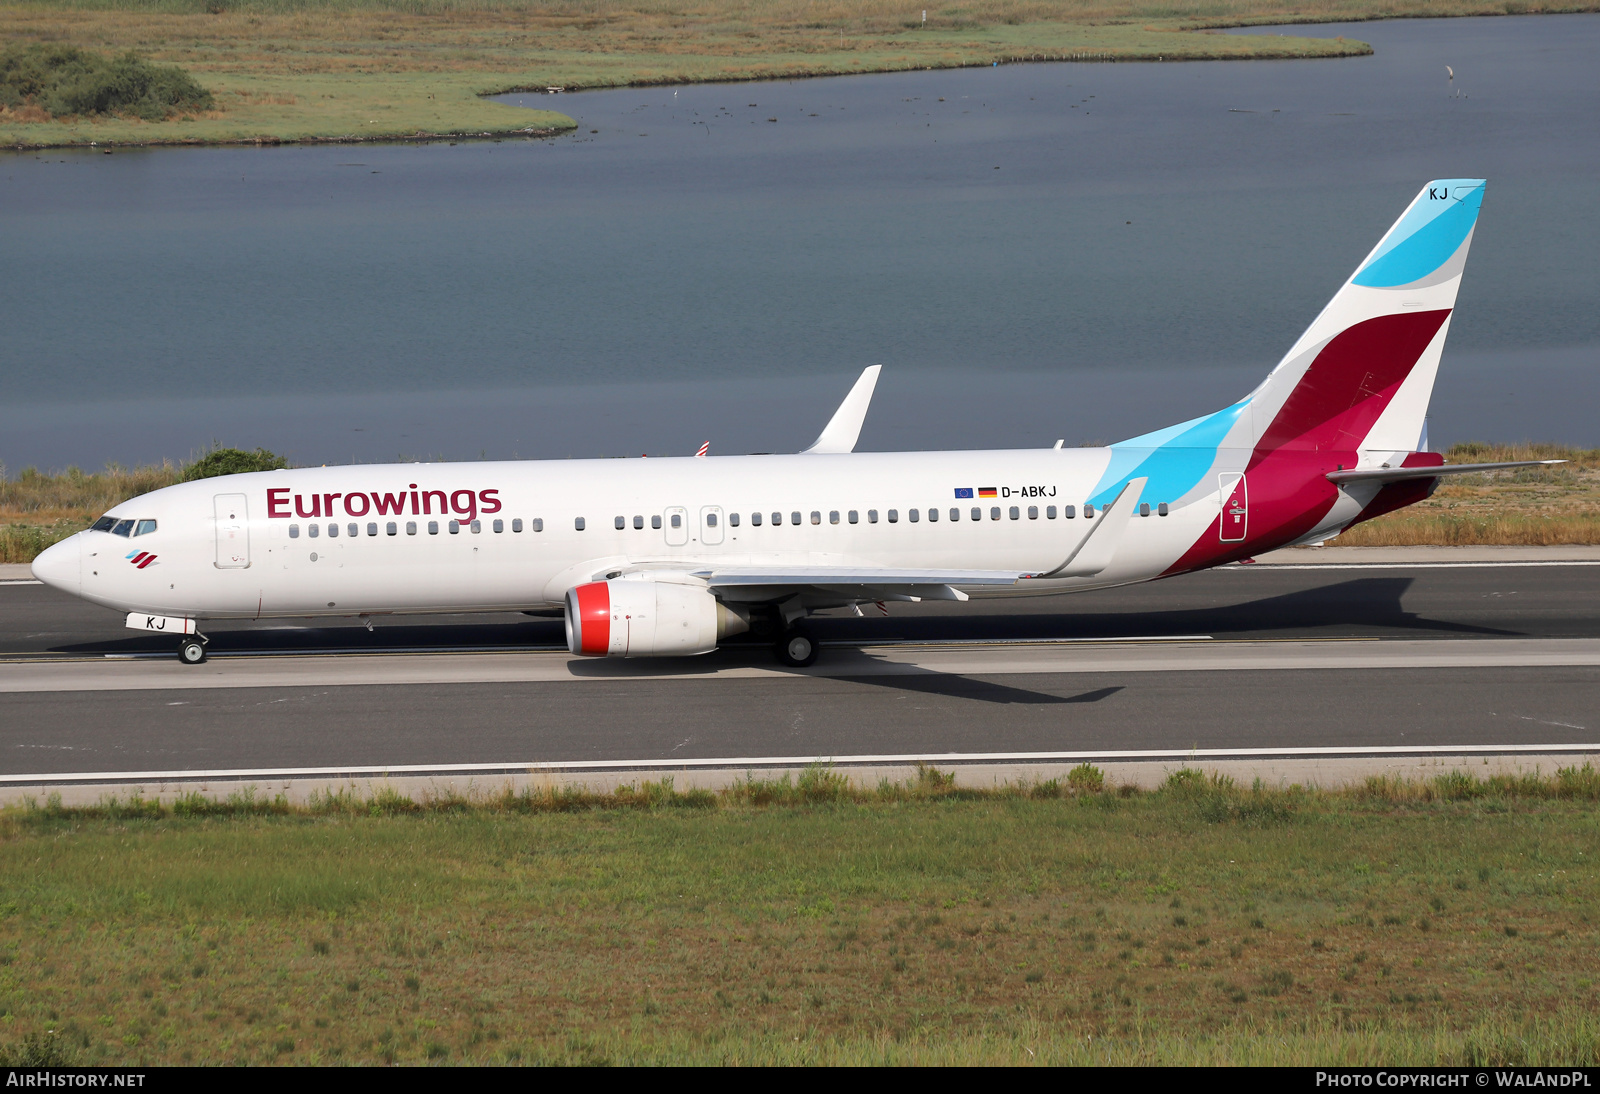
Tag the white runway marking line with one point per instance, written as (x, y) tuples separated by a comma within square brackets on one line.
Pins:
[(763, 762), (1008, 660)]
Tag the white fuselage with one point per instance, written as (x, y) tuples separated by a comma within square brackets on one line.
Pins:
[(266, 561)]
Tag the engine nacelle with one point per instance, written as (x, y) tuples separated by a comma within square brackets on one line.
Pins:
[(636, 618)]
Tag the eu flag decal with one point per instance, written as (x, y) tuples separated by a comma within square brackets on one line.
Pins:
[(963, 491)]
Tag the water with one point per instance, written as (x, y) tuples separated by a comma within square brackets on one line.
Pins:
[(1072, 251)]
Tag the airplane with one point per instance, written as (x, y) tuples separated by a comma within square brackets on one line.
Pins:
[(668, 557)]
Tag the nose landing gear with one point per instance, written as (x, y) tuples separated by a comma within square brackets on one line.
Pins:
[(192, 649)]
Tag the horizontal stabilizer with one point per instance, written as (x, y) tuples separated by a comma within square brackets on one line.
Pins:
[(1400, 474), (844, 428)]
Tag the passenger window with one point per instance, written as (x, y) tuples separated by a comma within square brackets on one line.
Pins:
[(578, 523), (638, 522), (372, 529), (711, 520), (994, 514), (394, 529), (313, 530), (477, 527), (854, 517), (516, 525), (1162, 509), (933, 514), (872, 516), (894, 516), (145, 528), (777, 519), (977, 514), (620, 523), (755, 519), (1070, 512), (538, 524), (433, 527), (914, 516), (1033, 512), (833, 516), (104, 524), (794, 518), (955, 514), (499, 526), (1088, 512), (411, 527), (1016, 514), (455, 527), (816, 517), (294, 531), (1050, 512), (677, 520), (1144, 509), (122, 528), (733, 519), (655, 521), (353, 530), (333, 531)]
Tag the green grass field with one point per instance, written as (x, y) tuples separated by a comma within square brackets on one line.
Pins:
[(399, 69), (1449, 922)]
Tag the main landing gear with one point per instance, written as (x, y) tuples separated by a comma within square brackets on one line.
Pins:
[(192, 649), (797, 648)]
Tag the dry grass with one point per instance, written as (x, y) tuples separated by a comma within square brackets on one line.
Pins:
[(1448, 922), (38, 509), (1531, 507)]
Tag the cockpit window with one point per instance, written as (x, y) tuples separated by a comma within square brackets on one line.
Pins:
[(103, 524), (122, 528), (145, 527)]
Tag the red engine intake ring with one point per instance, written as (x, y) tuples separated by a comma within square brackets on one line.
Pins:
[(589, 613)]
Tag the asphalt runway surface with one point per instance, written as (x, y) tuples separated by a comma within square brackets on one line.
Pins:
[(1257, 659)]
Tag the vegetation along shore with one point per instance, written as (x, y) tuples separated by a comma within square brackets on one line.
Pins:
[(808, 920), (347, 70), (1527, 507)]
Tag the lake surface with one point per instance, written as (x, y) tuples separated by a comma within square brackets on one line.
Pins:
[(1078, 251)]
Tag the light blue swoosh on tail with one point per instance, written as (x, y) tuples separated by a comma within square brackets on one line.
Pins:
[(1174, 459), (1430, 232)]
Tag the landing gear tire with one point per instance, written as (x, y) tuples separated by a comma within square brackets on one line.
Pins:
[(797, 649), (192, 651)]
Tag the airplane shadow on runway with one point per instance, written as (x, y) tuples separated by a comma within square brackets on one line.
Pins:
[(1363, 606), (840, 662)]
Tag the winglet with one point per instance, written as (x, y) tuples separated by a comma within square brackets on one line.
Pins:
[(1095, 551), (844, 428)]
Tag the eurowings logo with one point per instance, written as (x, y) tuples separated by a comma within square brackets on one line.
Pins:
[(140, 559)]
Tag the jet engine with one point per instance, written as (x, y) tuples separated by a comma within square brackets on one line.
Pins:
[(644, 618)]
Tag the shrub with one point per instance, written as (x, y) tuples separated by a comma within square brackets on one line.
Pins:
[(67, 81), (232, 461), (1086, 779)]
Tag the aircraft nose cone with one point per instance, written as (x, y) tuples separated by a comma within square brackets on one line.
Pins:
[(61, 566)]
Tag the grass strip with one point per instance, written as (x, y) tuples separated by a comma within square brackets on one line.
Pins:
[(810, 920)]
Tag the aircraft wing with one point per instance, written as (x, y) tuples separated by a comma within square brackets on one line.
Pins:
[(863, 583), (1400, 474)]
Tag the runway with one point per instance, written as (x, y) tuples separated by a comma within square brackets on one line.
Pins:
[(1264, 661)]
